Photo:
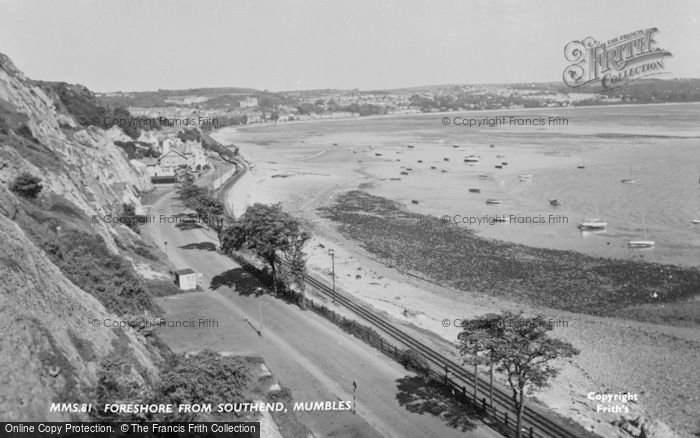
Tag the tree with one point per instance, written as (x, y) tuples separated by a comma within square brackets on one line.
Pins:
[(211, 210), (519, 347), (27, 185), (296, 260), (189, 193), (266, 230)]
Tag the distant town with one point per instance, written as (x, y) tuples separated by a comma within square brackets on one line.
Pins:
[(236, 106)]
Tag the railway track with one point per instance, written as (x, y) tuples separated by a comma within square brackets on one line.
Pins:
[(542, 426)]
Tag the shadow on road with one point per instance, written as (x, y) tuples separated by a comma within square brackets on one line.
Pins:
[(239, 279), (421, 395), (204, 246), (184, 226)]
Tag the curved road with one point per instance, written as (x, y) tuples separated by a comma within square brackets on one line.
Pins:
[(307, 353)]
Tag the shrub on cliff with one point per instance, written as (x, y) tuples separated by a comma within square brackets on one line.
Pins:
[(27, 185), (206, 377), (88, 263)]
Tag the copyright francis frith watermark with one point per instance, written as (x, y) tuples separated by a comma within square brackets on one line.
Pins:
[(616, 62)]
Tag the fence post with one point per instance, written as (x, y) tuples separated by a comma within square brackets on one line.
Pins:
[(505, 418), (531, 432)]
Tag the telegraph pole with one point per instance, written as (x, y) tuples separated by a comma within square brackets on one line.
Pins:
[(332, 254)]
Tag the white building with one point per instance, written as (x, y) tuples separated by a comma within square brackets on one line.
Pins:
[(249, 102)]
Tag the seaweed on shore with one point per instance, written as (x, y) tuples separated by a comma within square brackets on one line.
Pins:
[(558, 279)]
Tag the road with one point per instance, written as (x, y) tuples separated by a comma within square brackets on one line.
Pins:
[(308, 354)]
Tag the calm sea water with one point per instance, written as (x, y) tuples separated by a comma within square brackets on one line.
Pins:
[(656, 145)]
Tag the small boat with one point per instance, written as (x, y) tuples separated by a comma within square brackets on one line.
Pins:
[(443, 171), (414, 201), (593, 224), (555, 202), (474, 190), (410, 146), (420, 161), (500, 156), (525, 177), (494, 201), (483, 176), (446, 159), (377, 154), (492, 146), (433, 167), (580, 167), (471, 159), (505, 163), (696, 221), (395, 179), (455, 146), (409, 169), (627, 181), (641, 243), (498, 166), (404, 173)]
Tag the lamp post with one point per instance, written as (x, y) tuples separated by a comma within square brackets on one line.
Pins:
[(331, 252), (354, 402), (260, 313)]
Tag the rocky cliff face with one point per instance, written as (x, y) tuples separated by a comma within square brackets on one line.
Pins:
[(83, 165), (50, 351), (50, 348)]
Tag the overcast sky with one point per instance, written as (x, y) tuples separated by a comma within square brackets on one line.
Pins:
[(292, 44)]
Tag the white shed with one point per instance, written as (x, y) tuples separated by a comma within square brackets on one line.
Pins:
[(187, 279)]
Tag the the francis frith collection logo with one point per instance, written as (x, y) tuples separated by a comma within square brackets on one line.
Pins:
[(616, 62)]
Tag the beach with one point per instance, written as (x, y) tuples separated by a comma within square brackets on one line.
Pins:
[(306, 166)]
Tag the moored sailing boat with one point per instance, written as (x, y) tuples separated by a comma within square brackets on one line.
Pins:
[(642, 243)]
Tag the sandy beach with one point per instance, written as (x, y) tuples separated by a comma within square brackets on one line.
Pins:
[(308, 168)]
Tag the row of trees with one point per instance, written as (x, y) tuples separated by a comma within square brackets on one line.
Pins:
[(209, 209), (269, 232)]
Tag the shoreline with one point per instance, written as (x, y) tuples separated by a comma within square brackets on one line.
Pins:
[(444, 113), (420, 307)]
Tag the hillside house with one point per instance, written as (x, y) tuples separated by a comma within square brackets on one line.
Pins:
[(173, 158)]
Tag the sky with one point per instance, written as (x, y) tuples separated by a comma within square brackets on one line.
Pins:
[(131, 45)]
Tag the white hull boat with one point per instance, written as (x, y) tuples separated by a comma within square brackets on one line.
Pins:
[(642, 243), (593, 224)]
